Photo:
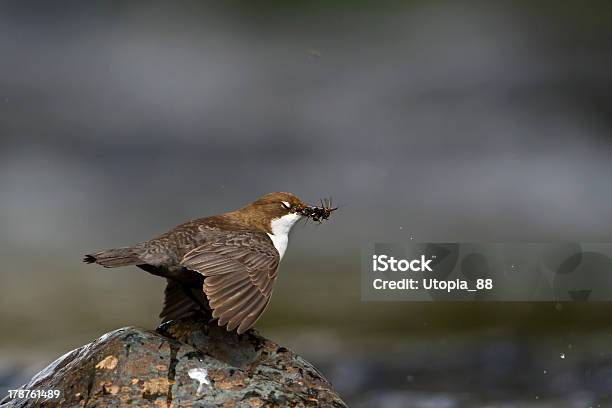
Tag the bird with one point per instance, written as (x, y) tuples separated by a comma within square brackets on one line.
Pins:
[(223, 266)]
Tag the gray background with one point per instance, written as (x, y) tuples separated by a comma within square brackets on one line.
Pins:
[(471, 121)]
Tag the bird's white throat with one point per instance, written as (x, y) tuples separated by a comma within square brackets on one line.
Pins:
[(280, 231)]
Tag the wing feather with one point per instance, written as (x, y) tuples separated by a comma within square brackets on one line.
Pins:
[(252, 317), (239, 270), (226, 301), (243, 312), (182, 301), (229, 289), (236, 304)]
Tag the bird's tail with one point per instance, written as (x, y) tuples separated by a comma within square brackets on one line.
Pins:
[(113, 258)]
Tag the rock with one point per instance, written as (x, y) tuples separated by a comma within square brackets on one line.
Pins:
[(187, 363)]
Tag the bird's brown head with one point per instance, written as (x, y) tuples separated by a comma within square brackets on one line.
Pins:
[(279, 211), (276, 205)]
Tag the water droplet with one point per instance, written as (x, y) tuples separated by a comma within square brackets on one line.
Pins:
[(545, 372), (562, 355)]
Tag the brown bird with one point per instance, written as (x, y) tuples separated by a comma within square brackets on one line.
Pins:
[(223, 266)]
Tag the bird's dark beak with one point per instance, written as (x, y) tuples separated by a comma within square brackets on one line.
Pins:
[(308, 210)]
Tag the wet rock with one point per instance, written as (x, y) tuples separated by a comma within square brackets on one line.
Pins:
[(184, 363)]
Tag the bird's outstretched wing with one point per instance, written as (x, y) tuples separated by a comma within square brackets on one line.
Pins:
[(239, 269), (181, 300)]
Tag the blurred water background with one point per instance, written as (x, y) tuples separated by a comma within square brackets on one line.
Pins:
[(452, 121)]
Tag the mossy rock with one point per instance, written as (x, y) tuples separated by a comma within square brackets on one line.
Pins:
[(186, 363)]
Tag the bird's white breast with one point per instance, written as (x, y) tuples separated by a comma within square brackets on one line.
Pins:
[(280, 231)]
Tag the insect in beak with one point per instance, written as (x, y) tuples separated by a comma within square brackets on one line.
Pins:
[(320, 213)]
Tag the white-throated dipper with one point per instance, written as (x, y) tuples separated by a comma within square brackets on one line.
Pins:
[(224, 265)]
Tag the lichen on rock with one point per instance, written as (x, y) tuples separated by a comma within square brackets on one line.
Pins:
[(186, 363)]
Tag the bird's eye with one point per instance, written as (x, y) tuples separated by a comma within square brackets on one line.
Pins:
[(286, 205)]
